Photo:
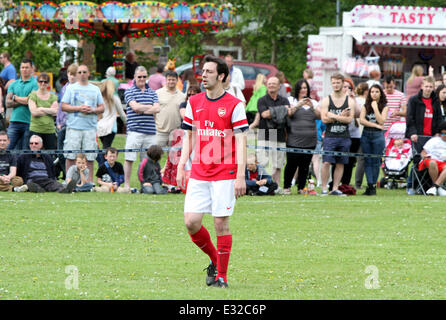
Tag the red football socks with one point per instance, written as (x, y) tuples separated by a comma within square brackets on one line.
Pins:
[(203, 240), (224, 245)]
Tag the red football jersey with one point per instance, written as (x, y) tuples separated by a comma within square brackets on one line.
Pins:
[(214, 123)]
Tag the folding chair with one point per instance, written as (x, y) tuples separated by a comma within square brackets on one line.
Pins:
[(421, 181)]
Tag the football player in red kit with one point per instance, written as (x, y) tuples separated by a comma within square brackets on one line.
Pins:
[(215, 122)]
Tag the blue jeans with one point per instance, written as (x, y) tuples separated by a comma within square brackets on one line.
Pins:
[(18, 133), (372, 142)]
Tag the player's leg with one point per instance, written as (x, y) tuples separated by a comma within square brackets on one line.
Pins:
[(224, 246), (223, 202), (197, 203)]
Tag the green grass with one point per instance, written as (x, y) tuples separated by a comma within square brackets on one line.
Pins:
[(134, 246), (285, 247)]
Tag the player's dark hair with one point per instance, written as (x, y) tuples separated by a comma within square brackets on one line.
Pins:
[(155, 152), (222, 67)]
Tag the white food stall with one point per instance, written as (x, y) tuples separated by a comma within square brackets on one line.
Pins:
[(389, 38)]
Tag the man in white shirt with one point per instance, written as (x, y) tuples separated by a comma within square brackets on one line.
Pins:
[(236, 74), (434, 158)]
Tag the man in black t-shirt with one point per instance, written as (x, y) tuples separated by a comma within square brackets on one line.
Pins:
[(8, 166), (273, 110)]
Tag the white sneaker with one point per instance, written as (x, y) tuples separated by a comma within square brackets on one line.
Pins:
[(278, 191), (441, 192), (432, 191), (23, 188)]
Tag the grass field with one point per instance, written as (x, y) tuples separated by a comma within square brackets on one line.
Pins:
[(134, 246)]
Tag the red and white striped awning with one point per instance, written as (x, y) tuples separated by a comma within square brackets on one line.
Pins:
[(399, 37)]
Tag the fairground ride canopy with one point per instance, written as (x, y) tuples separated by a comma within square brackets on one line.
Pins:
[(117, 20)]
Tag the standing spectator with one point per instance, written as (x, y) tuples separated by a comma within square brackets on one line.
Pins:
[(37, 171), (8, 166), (396, 102), (169, 172), (43, 107), (169, 118), (61, 118), (316, 160), (107, 126), (375, 77), (236, 74), (83, 102), (422, 120), (309, 75), (189, 80), (273, 110), (157, 80), (142, 105), (8, 74), (110, 75), (415, 81), (355, 133), (194, 89), (233, 90), (283, 89), (259, 90), (373, 117), (17, 99), (302, 134), (362, 90), (336, 112), (130, 65), (441, 94)]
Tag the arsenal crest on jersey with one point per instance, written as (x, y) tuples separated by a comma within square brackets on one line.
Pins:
[(221, 111)]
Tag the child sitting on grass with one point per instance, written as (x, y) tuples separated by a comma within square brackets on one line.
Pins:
[(79, 173), (258, 182), (149, 172), (110, 174)]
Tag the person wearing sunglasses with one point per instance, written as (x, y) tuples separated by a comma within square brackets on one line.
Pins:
[(37, 171), (142, 105), (82, 102), (43, 107)]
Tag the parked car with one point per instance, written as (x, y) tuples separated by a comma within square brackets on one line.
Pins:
[(250, 71)]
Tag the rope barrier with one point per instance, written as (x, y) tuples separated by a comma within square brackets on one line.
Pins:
[(284, 149)]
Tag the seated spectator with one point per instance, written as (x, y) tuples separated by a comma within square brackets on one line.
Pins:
[(8, 166), (79, 173), (434, 159), (150, 172), (110, 174), (258, 182), (37, 171)]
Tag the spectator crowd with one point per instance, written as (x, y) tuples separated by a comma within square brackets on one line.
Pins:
[(351, 119)]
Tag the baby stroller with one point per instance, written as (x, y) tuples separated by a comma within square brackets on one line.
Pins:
[(397, 159)]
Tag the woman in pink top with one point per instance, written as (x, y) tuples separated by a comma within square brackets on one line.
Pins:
[(413, 85)]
